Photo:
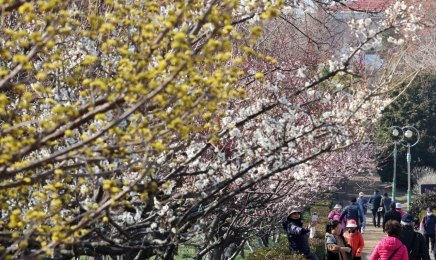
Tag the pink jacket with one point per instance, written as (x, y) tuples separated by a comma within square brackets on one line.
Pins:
[(384, 249), (333, 213), (401, 212)]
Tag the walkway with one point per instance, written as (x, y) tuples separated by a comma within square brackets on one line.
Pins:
[(372, 234)]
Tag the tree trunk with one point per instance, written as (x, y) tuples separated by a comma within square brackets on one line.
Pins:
[(265, 240), (249, 246), (276, 236), (229, 251)]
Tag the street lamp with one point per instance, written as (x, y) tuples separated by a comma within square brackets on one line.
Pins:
[(395, 132), (409, 134)]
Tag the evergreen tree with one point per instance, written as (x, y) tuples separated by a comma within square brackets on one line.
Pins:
[(416, 107)]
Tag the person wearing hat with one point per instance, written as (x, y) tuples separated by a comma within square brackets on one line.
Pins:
[(392, 214), (355, 239), (363, 204), (398, 208), (352, 211), (428, 225), (414, 241), (336, 213), (297, 234), (374, 204)]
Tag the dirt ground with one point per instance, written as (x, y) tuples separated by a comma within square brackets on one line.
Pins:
[(372, 234)]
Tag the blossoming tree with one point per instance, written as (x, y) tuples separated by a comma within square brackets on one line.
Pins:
[(135, 127)]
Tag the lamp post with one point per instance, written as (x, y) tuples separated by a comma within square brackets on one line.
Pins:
[(409, 134), (395, 133)]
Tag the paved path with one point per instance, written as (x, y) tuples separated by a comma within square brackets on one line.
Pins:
[(372, 234)]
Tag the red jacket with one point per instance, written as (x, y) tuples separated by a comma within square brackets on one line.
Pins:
[(384, 249), (356, 243)]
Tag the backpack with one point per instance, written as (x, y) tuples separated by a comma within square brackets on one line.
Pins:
[(336, 216)]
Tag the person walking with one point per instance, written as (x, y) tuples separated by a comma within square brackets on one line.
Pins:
[(355, 240), (414, 241), (374, 204), (352, 211), (392, 214), (385, 203), (399, 209), (336, 247), (335, 214), (390, 247), (363, 204), (297, 234), (428, 225)]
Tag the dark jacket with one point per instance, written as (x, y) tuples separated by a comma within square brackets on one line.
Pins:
[(374, 201), (386, 203), (297, 235), (352, 211), (330, 255), (391, 215), (429, 223), (418, 250)]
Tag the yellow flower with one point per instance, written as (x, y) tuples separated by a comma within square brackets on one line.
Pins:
[(259, 75), (26, 7), (68, 133)]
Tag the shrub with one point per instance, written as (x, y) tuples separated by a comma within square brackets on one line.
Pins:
[(422, 175), (317, 245), (281, 251), (420, 203)]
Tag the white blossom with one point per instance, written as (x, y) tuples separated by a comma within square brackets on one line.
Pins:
[(300, 72), (235, 132), (280, 76)]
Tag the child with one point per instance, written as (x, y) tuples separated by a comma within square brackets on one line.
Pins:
[(355, 239), (336, 213)]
